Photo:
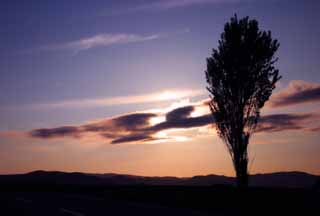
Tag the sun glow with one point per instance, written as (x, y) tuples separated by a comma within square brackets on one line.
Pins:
[(169, 95), (164, 136), (199, 111), (156, 120)]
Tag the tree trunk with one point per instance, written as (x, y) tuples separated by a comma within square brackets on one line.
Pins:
[(242, 175), (241, 163)]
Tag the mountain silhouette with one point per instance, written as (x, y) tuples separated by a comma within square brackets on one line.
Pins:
[(279, 179)]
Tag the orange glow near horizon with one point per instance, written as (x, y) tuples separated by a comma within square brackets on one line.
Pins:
[(201, 155), (178, 151)]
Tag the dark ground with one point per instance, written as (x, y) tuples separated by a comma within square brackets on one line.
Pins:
[(154, 200)]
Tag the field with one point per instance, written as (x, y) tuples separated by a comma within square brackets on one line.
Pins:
[(155, 200)]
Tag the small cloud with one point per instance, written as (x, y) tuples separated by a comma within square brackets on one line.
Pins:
[(56, 132), (179, 113), (297, 92), (133, 138), (101, 40), (284, 122)]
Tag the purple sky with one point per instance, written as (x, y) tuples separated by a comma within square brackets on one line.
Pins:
[(120, 66)]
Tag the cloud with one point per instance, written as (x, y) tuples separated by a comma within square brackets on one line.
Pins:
[(167, 95), (111, 128), (56, 132), (297, 92), (314, 129), (133, 138), (135, 121), (131, 127), (151, 126), (182, 122), (102, 40), (179, 113), (170, 4), (284, 122), (108, 39)]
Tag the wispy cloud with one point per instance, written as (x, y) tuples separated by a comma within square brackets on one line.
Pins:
[(107, 39), (170, 4), (102, 40), (167, 95)]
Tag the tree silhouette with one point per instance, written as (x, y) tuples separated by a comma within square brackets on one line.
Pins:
[(241, 76)]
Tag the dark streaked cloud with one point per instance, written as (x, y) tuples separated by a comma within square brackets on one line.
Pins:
[(137, 127), (315, 129), (133, 121), (130, 127), (298, 92), (183, 123), (179, 113), (55, 132), (133, 138), (283, 122), (112, 128)]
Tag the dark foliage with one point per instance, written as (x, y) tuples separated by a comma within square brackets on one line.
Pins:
[(241, 76)]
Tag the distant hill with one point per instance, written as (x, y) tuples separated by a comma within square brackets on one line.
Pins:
[(317, 185), (280, 179)]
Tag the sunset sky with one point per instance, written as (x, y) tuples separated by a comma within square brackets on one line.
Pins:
[(119, 86)]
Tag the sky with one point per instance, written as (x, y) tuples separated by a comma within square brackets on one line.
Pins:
[(119, 86)]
